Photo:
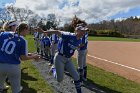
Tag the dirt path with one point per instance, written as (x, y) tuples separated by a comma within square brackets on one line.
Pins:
[(66, 86), (122, 58)]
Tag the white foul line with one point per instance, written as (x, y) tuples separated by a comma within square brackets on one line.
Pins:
[(114, 63)]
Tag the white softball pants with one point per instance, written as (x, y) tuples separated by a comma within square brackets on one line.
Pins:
[(62, 62), (13, 72), (81, 58)]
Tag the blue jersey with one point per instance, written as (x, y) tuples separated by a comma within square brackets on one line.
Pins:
[(12, 47), (68, 44), (36, 35), (41, 35), (84, 42), (54, 38), (1, 33), (46, 41)]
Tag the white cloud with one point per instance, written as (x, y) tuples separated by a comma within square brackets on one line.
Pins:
[(89, 10)]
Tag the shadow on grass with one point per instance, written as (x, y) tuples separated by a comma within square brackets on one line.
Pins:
[(89, 84), (25, 76), (26, 88)]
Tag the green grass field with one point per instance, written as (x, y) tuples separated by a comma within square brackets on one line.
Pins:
[(95, 38), (33, 82), (110, 82)]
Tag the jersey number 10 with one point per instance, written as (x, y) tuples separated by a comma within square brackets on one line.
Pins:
[(8, 46)]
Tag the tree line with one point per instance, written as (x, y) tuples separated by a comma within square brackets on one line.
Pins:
[(118, 28), (125, 27), (115, 28)]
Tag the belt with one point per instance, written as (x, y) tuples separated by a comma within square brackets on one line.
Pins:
[(63, 55)]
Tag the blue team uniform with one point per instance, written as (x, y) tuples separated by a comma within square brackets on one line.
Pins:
[(41, 36), (54, 38), (81, 58), (37, 41), (36, 35), (85, 42), (62, 59), (54, 41), (12, 47), (47, 44), (46, 41), (68, 44)]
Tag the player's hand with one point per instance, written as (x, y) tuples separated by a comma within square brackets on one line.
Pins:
[(29, 54), (37, 57)]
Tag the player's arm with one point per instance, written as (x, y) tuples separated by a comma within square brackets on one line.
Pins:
[(58, 32), (29, 56), (24, 55)]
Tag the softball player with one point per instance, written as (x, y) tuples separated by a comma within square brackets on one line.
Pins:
[(68, 43), (54, 41), (9, 26), (82, 51), (81, 58), (47, 43), (41, 36), (36, 38), (13, 47)]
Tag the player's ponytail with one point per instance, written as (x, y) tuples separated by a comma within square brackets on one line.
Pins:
[(6, 27), (77, 21)]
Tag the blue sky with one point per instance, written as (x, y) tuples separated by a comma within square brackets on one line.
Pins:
[(90, 10), (132, 12), (2, 2)]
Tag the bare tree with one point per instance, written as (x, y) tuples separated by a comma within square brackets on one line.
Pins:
[(21, 14), (34, 20), (4, 15), (52, 21)]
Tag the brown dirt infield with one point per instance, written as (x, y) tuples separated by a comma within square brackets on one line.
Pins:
[(122, 58)]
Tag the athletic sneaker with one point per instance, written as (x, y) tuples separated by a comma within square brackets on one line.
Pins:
[(53, 71), (21, 88), (50, 71), (50, 64)]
